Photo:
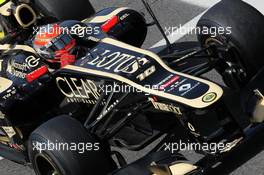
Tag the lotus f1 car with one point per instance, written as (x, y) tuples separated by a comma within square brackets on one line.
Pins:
[(118, 95)]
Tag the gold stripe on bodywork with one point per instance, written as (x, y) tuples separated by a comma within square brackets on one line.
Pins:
[(2, 35), (2, 1), (4, 139), (5, 9), (182, 168), (176, 169), (5, 84), (7, 47)]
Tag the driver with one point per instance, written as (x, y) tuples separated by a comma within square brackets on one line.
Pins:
[(55, 45), (60, 44)]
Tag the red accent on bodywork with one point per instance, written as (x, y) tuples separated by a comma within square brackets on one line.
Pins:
[(171, 81), (67, 59), (36, 74), (64, 56), (66, 49), (110, 24)]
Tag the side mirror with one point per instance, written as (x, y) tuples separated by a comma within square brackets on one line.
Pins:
[(24, 15)]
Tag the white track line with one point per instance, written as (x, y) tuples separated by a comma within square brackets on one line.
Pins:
[(258, 4), (176, 35), (201, 3), (1, 158)]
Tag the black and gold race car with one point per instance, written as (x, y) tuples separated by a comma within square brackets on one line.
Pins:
[(66, 120)]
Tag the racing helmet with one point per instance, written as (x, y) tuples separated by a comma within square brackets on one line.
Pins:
[(55, 44)]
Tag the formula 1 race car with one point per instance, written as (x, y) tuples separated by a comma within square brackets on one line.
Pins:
[(69, 120)]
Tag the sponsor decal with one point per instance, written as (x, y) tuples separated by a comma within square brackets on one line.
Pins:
[(32, 61), (117, 62), (9, 131), (193, 130), (18, 74), (174, 87), (232, 145), (92, 38), (108, 109), (179, 85), (166, 107), (170, 82), (208, 98), (78, 90), (146, 73), (188, 88), (10, 93), (17, 69), (124, 16), (176, 84), (20, 69), (164, 80), (18, 66), (185, 87), (191, 127)]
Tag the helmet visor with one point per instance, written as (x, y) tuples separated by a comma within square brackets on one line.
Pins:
[(60, 42)]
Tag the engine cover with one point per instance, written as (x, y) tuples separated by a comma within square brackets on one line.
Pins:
[(124, 24)]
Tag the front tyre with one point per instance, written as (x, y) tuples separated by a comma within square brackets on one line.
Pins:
[(238, 39), (62, 146)]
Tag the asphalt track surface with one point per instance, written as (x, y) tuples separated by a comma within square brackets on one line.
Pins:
[(171, 13)]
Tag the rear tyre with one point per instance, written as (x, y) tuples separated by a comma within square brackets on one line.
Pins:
[(66, 9), (79, 153), (241, 43)]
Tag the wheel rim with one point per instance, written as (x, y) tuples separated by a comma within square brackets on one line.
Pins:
[(45, 166), (231, 59)]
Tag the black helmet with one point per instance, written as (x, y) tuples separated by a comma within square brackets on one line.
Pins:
[(55, 44)]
